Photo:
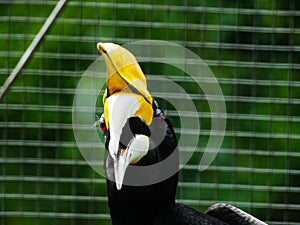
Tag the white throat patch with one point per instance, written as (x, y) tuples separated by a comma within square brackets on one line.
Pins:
[(120, 108)]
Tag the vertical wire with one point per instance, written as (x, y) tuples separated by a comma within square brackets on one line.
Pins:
[(23, 127), (132, 20), (197, 180), (219, 55), (201, 47), (185, 44), (289, 113), (167, 17), (235, 107), (91, 206), (5, 123), (150, 19), (91, 194), (57, 133), (185, 18), (97, 24), (272, 103), (40, 134), (75, 157), (74, 150), (115, 23), (202, 42), (256, 60), (253, 94)]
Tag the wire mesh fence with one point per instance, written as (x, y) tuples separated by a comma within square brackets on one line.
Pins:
[(253, 49)]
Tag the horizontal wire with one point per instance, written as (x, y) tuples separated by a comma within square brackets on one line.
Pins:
[(45, 72), (215, 10), (221, 186), (65, 215), (183, 149), (54, 197), (209, 62), (241, 151), (170, 96), (244, 169), (36, 143), (180, 130), (251, 204), (48, 161), (191, 131), (183, 114), (146, 24), (25, 178), (216, 45), (32, 107), (238, 133), (185, 79), (194, 167), (99, 181), (236, 186)]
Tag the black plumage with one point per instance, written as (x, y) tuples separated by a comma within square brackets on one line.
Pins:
[(179, 214), (154, 204), (140, 204)]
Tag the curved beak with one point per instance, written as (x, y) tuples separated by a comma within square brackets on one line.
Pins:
[(137, 148)]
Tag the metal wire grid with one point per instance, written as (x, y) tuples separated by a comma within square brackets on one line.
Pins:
[(253, 50)]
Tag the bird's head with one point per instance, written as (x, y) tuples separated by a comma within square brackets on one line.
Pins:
[(128, 108)]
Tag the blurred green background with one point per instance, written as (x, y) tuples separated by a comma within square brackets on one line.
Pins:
[(252, 47)]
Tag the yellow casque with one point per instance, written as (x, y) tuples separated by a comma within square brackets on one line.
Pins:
[(125, 75)]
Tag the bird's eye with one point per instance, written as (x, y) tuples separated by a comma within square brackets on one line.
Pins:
[(102, 125)]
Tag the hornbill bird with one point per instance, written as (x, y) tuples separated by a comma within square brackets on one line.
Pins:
[(141, 157)]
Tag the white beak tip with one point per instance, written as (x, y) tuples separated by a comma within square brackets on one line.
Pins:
[(120, 169), (119, 186)]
